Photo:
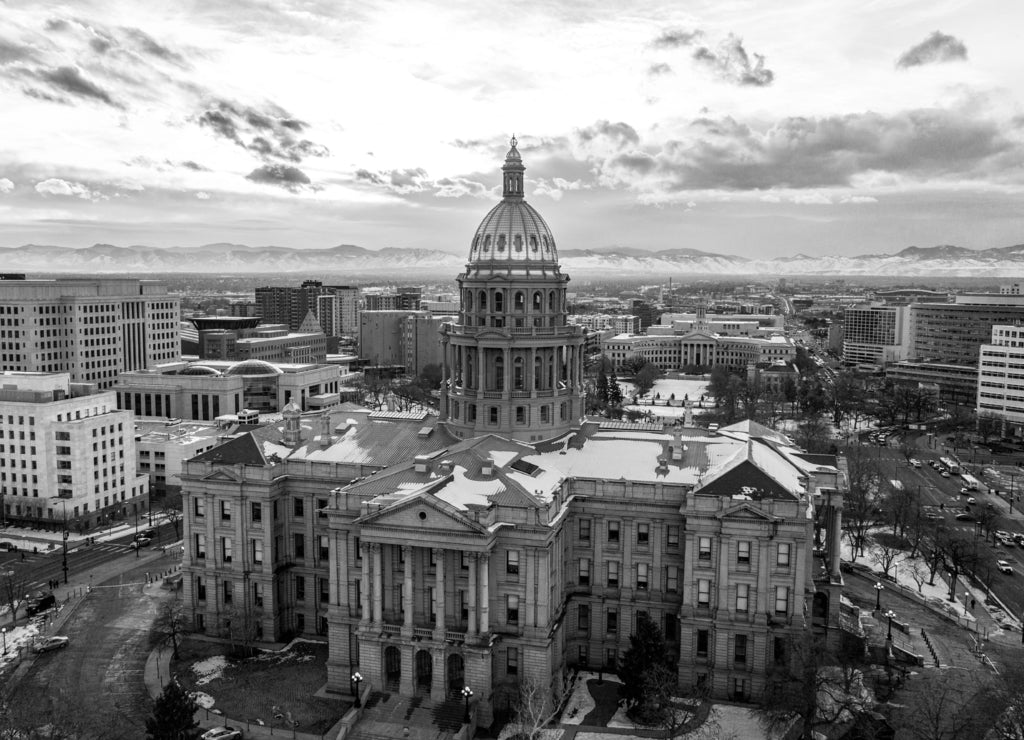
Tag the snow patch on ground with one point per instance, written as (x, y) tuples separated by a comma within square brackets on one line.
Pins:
[(581, 703), (204, 700), (209, 669)]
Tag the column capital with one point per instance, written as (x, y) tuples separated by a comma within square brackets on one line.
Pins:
[(406, 551), (373, 546), (436, 552)]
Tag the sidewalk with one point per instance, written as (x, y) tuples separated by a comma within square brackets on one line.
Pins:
[(25, 538)]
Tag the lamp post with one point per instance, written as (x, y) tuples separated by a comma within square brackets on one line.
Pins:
[(64, 558), (357, 678), (467, 693), (889, 615), (137, 548), (878, 596)]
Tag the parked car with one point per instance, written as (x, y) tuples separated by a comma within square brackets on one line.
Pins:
[(971, 500), (915, 463), (222, 733), (40, 603), (140, 542), (1005, 567), (964, 517), (56, 642)]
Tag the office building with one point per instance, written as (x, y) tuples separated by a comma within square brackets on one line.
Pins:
[(875, 335), (90, 328), (1001, 378), (237, 339)]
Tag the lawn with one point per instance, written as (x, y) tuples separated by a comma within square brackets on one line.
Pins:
[(248, 691)]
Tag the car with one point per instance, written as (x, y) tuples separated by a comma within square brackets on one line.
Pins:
[(944, 473), (971, 500), (932, 516), (1004, 567), (150, 533), (222, 733), (56, 642), (915, 463), (964, 517), (40, 603), (140, 542)]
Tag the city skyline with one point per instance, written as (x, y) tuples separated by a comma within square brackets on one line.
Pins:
[(872, 128)]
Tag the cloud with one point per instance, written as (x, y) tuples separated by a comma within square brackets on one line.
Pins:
[(458, 187), (937, 48), (195, 166), (202, 195), (270, 133), (285, 176), (13, 52), (416, 180), (727, 59), (6, 185), (858, 199), (658, 69), (70, 80), (148, 45), (56, 186), (675, 38)]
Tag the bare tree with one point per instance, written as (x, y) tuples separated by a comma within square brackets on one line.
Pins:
[(537, 705), (959, 553), (887, 549), (947, 709), (171, 623), (860, 506), (172, 514), (918, 571), (14, 590)]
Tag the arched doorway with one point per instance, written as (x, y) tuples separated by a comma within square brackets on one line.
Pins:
[(392, 668), (424, 671), (456, 674)]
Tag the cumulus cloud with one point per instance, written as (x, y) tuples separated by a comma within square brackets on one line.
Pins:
[(458, 187), (195, 166), (123, 40), (14, 52), (148, 45), (281, 175), (70, 80), (203, 195), (271, 134), (416, 180), (937, 48), (727, 59), (6, 185), (658, 69), (56, 186)]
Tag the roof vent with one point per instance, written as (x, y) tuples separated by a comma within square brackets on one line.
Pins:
[(424, 432), (487, 468), (446, 467)]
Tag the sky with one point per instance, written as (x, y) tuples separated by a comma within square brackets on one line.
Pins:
[(762, 129)]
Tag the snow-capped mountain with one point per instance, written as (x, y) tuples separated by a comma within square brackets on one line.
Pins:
[(939, 261)]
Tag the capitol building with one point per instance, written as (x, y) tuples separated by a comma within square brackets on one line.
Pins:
[(509, 537)]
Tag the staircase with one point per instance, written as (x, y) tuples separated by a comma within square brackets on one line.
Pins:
[(387, 716)]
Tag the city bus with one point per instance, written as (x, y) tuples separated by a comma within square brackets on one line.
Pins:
[(970, 482), (950, 464)]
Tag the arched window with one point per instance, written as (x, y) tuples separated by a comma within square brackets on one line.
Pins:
[(483, 300), (551, 372), (551, 301), (501, 242), (487, 242), (533, 242), (537, 367), (469, 300), (518, 241), (470, 376), (499, 301), (538, 301), (499, 373), (520, 301), (517, 374)]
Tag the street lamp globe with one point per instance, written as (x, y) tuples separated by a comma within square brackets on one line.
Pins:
[(467, 693), (889, 615), (878, 595)]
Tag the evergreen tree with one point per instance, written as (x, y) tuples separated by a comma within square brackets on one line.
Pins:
[(173, 716), (602, 385), (614, 391), (646, 655)]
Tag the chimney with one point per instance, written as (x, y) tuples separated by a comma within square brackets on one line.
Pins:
[(325, 429), (420, 465), (487, 468)]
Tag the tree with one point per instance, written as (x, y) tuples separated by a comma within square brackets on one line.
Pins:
[(536, 706), (172, 514), (429, 378), (614, 392), (14, 590), (645, 671), (717, 382), (171, 624), (602, 386), (842, 396), (887, 549), (948, 709), (989, 425), (958, 554), (173, 715), (644, 380), (813, 435), (860, 508), (634, 364)]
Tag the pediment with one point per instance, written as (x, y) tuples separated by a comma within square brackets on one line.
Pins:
[(222, 474), (743, 510), (700, 335), (424, 513)]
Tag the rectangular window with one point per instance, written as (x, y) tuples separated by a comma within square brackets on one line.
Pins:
[(225, 511), (643, 534), (300, 588), (200, 547), (200, 589), (742, 597), (611, 659), (324, 547), (225, 549), (256, 511), (228, 592), (743, 552), (584, 655), (325, 590), (199, 506), (782, 599), (704, 548), (299, 549), (298, 506), (740, 649), (613, 574), (257, 552), (703, 592), (779, 651), (583, 619), (613, 532), (672, 535), (321, 508), (702, 643), (432, 598), (782, 559), (512, 562), (512, 661), (584, 574), (672, 579), (512, 609), (584, 530), (257, 594), (612, 622), (671, 627), (642, 572), (463, 560)]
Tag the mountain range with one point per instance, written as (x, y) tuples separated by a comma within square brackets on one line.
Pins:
[(939, 261)]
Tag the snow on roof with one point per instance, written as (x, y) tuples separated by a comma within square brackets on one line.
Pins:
[(462, 492)]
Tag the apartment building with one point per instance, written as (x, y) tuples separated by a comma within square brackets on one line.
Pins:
[(66, 453), (1001, 377), (91, 328)]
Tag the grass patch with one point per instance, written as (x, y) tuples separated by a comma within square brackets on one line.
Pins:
[(247, 690), (606, 700)]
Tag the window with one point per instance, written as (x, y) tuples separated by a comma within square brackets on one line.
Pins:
[(257, 552), (256, 512), (739, 689), (671, 627), (781, 599), (611, 623), (613, 532), (257, 594), (702, 643), (584, 655), (672, 579), (779, 651), (199, 507), (673, 535), (298, 506), (464, 560), (225, 548), (742, 597), (325, 590), (225, 511), (200, 589), (200, 547), (299, 541), (643, 534), (432, 597), (321, 508), (512, 609), (512, 562), (584, 574), (324, 547), (300, 588), (228, 592), (642, 572), (512, 661), (584, 530), (743, 552), (703, 592), (359, 550), (493, 414), (583, 619), (782, 559), (704, 548), (613, 574), (740, 649)]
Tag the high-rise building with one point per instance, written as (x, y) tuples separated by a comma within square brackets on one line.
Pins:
[(875, 335), (1001, 377), (90, 328), (66, 453)]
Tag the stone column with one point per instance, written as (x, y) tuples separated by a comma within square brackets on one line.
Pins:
[(364, 594), (407, 602), (378, 584), (439, 626), (506, 381), (471, 596), (445, 365), (481, 370), (834, 536), (485, 599)]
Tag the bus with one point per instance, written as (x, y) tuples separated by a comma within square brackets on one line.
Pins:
[(950, 464), (970, 482)]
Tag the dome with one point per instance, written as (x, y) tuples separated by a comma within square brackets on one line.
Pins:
[(253, 367), (513, 232), (198, 370)]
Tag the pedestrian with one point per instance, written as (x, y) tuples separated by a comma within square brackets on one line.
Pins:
[(972, 603)]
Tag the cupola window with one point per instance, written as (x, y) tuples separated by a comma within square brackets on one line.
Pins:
[(533, 242), (487, 242), (518, 241), (520, 303), (501, 242), (538, 302)]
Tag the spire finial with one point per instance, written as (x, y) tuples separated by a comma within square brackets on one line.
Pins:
[(514, 141)]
